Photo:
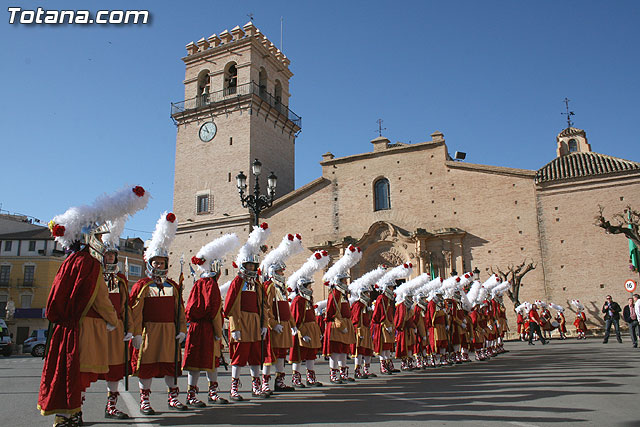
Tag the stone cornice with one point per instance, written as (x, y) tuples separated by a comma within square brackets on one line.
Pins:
[(392, 150), (501, 170)]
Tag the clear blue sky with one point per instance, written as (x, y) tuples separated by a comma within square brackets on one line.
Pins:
[(85, 109)]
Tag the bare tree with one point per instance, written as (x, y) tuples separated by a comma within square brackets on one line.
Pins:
[(626, 222), (514, 274)]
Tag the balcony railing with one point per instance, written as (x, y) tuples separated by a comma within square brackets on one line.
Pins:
[(235, 92), (18, 283)]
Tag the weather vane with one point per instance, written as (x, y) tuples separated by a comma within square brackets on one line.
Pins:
[(250, 15), (380, 128), (568, 113)]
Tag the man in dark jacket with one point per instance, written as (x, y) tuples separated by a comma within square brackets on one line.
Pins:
[(611, 310), (629, 315)]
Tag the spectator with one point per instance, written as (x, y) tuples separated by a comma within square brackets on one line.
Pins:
[(629, 315), (611, 310)]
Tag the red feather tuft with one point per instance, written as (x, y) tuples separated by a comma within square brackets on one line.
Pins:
[(315, 305), (288, 299), (264, 225), (410, 265), (405, 266), (138, 191), (234, 264), (299, 237), (325, 253), (289, 290), (359, 250), (317, 255), (58, 230), (441, 280), (290, 237), (326, 283), (259, 272), (376, 286), (352, 248), (171, 217), (457, 279)]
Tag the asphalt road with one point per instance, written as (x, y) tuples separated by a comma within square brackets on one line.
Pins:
[(570, 382)]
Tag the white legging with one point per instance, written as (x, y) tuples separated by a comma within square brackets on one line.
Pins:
[(253, 369), (192, 377), (385, 355), (145, 383), (266, 369)]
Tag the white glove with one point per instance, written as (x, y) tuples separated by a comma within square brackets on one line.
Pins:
[(306, 338), (447, 327), (217, 338), (181, 336), (294, 330), (110, 327), (137, 342), (345, 330), (128, 337), (464, 323), (263, 332), (235, 335), (278, 328), (424, 338), (415, 330), (389, 329)]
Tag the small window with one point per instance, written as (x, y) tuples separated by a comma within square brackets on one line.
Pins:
[(202, 203), (573, 145), (381, 194), (230, 79), (32, 245), (7, 245), (135, 270), (5, 271), (25, 301), (29, 271)]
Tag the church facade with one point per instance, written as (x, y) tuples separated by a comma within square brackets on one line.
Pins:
[(398, 202)]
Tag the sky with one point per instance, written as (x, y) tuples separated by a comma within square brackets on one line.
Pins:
[(85, 109)]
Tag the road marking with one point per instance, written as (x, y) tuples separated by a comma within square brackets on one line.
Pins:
[(132, 405)]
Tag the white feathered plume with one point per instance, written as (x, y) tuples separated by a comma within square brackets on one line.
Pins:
[(365, 283), (411, 286), (352, 255), (224, 289), (400, 272), (162, 237), (290, 245), (523, 308), (320, 306), (316, 262), (577, 304), (500, 289), (216, 249), (112, 239), (472, 295), (68, 227), (256, 239), (556, 307)]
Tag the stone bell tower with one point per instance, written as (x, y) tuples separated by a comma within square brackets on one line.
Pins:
[(235, 109)]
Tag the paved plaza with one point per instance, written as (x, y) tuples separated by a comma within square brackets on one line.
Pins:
[(569, 382)]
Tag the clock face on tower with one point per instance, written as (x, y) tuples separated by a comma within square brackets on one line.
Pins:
[(208, 131)]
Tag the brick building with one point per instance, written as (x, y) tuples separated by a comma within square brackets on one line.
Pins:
[(398, 202)]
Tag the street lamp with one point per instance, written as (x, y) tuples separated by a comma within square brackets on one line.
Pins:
[(476, 274), (256, 202)]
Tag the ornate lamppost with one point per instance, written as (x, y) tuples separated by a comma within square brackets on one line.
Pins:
[(256, 202), (476, 274)]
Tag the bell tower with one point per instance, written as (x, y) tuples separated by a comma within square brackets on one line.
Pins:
[(235, 109)]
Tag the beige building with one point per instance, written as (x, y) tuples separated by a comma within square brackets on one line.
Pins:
[(399, 202)]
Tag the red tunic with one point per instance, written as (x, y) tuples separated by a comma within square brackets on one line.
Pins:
[(562, 322), (520, 322), (361, 319), (436, 323), (202, 308), (403, 323), (581, 322), (382, 319), (71, 296), (119, 297), (337, 318), (304, 316), (419, 321)]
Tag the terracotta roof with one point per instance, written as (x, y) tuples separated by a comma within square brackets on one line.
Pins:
[(576, 165), (572, 132)]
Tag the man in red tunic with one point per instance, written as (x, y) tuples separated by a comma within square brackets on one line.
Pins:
[(78, 308), (159, 324), (244, 306), (534, 325), (436, 320), (308, 340), (203, 312), (118, 288), (405, 331), (280, 323)]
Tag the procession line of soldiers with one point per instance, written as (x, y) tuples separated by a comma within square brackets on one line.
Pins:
[(533, 325), (101, 331)]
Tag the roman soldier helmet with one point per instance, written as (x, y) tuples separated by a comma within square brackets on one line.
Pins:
[(209, 258), (83, 224), (577, 304), (290, 245), (158, 246), (388, 281), (339, 271), (360, 288), (250, 252), (299, 282), (111, 241), (556, 307), (407, 290)]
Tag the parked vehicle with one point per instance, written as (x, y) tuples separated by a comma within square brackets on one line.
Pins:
[(35, 344), (6, 343)]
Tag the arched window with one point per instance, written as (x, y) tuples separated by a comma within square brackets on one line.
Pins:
[(573, 145), (262, 81), (382, 194), (203, 88), (230, 78), (277, 94)]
